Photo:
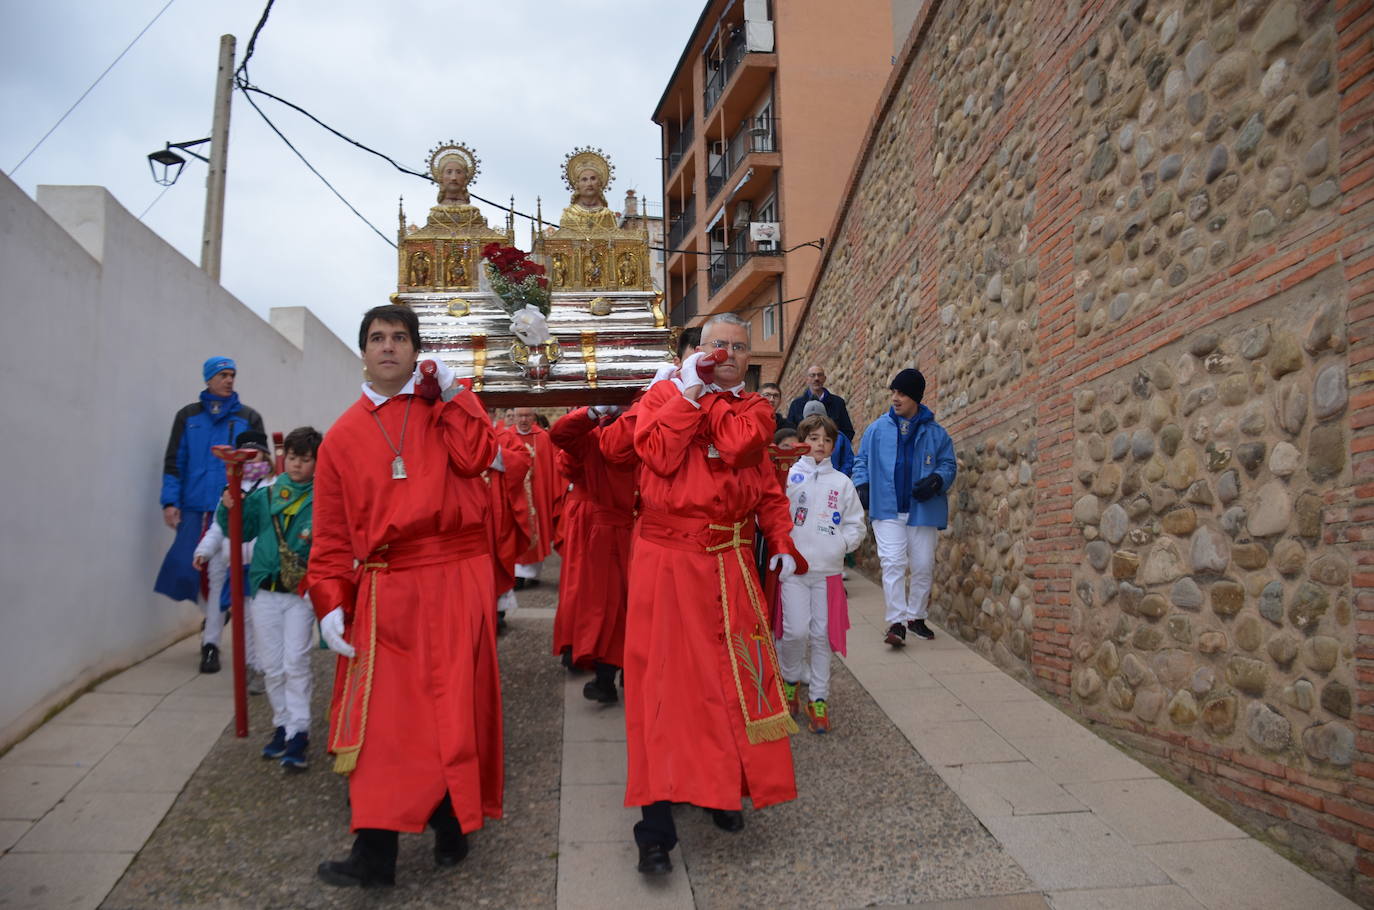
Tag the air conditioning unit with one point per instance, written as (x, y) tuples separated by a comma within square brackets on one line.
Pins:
[(743, 212)]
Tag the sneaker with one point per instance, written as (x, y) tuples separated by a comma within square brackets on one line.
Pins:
[(257, 682), (793, 702), (921, 629), (293, 759), (209, 658), (276, 746), (818, 716), (896, 635)]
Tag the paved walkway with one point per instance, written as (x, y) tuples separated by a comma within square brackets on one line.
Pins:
[(932, 733)]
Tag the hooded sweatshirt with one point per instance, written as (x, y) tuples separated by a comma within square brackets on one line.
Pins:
[(827, 517)]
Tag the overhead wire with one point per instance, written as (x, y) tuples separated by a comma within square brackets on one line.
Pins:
[(92, 86)]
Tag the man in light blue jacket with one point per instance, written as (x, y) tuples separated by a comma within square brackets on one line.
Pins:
[(902, 472)]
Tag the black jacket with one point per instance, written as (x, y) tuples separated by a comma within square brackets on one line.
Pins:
[(834, 406)]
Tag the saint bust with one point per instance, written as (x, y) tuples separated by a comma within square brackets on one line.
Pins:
[(588, 174), (453, 166)]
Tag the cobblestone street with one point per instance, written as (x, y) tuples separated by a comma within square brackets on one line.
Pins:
[(944, 783)]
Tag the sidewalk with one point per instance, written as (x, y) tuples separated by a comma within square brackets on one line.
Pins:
[(944, 784)]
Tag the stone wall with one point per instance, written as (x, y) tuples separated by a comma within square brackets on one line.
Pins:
[(1131, 245)]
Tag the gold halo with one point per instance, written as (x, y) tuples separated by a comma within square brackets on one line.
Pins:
[(451, 149), (579, 159)]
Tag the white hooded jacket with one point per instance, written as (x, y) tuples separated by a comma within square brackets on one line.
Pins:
[(827, 517)]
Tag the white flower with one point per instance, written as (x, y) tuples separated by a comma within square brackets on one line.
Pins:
[(530, 326)]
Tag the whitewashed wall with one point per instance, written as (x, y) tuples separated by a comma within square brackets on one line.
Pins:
[(105, 327)]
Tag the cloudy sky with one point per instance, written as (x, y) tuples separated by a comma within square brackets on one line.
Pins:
[(521, 81)]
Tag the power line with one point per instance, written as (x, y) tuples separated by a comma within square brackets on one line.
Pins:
[(155, 201), (126, 50), (306, 162)]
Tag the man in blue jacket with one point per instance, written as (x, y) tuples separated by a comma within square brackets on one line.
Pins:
[(902, 472), (835, 407), (192, 481)]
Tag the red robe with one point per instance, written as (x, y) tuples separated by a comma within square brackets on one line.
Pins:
[(598, 515), (543, 490), (695, 606), (509, 526), (424, 716)]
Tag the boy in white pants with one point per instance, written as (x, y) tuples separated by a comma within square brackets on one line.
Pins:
[(827, 523), (279, 519), (903, 472)]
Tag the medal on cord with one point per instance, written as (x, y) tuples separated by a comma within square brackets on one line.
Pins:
[(398, 465)]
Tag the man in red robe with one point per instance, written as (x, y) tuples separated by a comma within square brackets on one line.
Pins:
[(509, 530), (589, 627), (706, 721), (400, 577), (543, 491)]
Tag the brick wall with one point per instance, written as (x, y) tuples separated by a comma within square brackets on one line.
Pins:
[(1131, 245)]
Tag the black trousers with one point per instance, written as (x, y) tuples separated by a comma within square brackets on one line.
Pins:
[(656, 826), (377, 847)]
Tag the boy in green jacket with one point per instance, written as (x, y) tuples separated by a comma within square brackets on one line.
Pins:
[(279, 518)]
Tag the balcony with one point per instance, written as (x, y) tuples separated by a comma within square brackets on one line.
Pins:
[(685, 309), (738, 271), (725, 66), (679, 146), (715, 176), (755, 135), (682, 224)]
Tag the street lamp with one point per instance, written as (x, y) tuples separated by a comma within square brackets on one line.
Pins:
[(166, 164)]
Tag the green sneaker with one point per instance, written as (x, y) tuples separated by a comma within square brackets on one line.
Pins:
[(793, 702)]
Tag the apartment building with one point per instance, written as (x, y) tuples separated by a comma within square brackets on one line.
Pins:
[(761, 121)]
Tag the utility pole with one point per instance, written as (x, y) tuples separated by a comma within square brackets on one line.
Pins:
[(213, 239)]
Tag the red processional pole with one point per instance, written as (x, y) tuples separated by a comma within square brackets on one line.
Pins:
[(233, 464)]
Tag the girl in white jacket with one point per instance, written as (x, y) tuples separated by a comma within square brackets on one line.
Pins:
[(827, 523)]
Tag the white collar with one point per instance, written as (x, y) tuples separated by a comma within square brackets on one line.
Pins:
[(379, 399), (737, 391)]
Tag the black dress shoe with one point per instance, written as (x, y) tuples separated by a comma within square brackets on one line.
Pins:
[(519, 584), (350, 873), (731, 820), (598, 690), (653, 860), (450, 850)]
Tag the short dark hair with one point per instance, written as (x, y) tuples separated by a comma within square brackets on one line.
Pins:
[(818, 422), (396, 313), (688, 340), (783, 435), (771, 385), (303, 441)]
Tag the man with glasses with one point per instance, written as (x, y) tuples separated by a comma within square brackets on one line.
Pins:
[(706, 720), (835, 407), (772, 393)]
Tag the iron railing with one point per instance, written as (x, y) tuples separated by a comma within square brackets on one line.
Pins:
[(717, 79), (679, 145), (726, 262), (686, 308), (683, 223)]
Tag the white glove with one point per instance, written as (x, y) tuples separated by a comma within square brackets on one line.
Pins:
[(332, 628), (597, 411), (783, 562), (665, 371), (444, 374), (688, 374)]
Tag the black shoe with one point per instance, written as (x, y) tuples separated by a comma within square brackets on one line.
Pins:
[(566, 659), (921, 629), (519, 584), (653, 860), (370, 864), (597, 690), (450, 849), (500, 622), (896, 635), (731, 820), (349, 873), (209, 659), (531, 582)]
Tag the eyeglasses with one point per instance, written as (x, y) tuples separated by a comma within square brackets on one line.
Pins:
[(739, 347)]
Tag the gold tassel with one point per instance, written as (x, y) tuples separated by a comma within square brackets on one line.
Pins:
[(774, 728), (346, 762)]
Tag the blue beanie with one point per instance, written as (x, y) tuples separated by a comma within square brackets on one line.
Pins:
[(217, 365)]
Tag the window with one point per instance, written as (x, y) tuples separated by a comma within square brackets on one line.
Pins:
[(770, 322)]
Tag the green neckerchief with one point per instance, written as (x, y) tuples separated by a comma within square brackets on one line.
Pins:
[(289, 497)]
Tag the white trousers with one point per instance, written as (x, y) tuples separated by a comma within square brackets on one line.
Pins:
[(528, 569), (901, 548), (806, 617), (285, 629), (218, 570)]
